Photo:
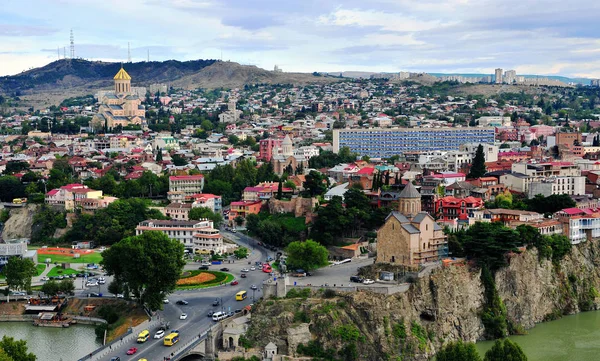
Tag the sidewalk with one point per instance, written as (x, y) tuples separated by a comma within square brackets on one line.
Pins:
[(38, 279)]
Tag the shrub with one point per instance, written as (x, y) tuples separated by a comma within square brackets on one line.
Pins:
[(329, 293), (108, 313), (301, 316)]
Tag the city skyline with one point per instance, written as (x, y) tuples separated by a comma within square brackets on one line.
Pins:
[(457, 36)]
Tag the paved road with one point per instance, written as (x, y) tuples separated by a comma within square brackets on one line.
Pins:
[(335, 275), (200, 303)]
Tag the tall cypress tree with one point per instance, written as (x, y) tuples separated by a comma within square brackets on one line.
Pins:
[(478, 165), (279, 189)]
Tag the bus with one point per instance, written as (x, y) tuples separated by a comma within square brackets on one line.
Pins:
[(240, 296), (267, 268), (19, 200), (171, 339), (143, 336)]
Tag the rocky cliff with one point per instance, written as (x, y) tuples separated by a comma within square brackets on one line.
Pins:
[(442, 307), (20, 222)]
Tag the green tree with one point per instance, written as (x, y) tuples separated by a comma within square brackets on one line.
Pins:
[(159, 156), (18, 272), (148, 266), (478, 166), (239, 220), (458, 351), (50, 288), (198, 213), (67, 287), (11, 188), (551, 204), (178, 160), (233, 140), (505, 350), (280, 190), (315, 184), (4, 356), (16, 349), (307, 255), (241, 252), (13, 167)]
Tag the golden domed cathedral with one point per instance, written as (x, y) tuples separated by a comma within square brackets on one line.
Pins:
[(120, 107)]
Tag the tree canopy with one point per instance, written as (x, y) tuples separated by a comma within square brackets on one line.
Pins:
[(19, 272), (16, 350), (307, 255), (146, 266), (550, 204), (505, 350), (205, 213), (11, 188), (478, 164), (458, 351), (316, 184)]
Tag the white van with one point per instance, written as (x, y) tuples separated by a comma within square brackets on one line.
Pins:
[(218, 316)]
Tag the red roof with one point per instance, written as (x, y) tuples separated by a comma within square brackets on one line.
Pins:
[(186, 177), (366, 171), (572, 211), (52, 192)]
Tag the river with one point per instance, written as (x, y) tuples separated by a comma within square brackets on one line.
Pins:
[(572, 338), (53, 344)]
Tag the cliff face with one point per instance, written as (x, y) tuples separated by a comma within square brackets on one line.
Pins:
[(442, 307), (20, 222)]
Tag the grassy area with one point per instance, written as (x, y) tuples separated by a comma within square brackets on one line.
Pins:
[(220, 277), (57, 258), (39, 269), (57, 271)]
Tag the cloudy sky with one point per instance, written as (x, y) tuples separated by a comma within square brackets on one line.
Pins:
[(551, 37)]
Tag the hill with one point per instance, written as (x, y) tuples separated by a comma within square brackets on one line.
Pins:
[(66, 78)]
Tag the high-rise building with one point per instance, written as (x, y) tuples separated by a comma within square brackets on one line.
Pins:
[(510, 76), (498, 76), (384, 143), (595, 82)]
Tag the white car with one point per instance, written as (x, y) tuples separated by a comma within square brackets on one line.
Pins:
[(183, 316), (166, 300), (245, 270), (44, 279), (159, 334), (91, 284), (368, 281), (252, 268)]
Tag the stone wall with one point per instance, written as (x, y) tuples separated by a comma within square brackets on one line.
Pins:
[(300, 207)]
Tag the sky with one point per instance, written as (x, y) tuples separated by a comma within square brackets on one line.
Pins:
[(545, 37)]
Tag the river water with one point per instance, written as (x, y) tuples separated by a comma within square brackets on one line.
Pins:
[(53, 344), (572, 338)]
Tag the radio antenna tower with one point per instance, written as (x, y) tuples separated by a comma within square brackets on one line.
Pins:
[(128, 53), (64, 52), (148, 55), (72, 45), (58, 52)]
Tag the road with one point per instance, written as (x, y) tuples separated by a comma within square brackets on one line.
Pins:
[(200, 303)]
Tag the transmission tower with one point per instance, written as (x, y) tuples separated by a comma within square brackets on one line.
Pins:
[(148, 55), (72, 45), (64, 52), (58, 52), (128, 53)]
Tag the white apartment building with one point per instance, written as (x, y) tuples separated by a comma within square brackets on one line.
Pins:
[(490, 151), (532, 185), (306, 152), (186, 185), (199, 236), (498, 75), (547, 169)]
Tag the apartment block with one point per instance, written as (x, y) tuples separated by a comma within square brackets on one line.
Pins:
[(199, 236), (384, 143), (186, 186)]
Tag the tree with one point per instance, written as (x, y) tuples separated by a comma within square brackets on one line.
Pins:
[(505, 350), (233, 139), (159, 156), (50, 288), (478, 165), (4, 356), (239, 220), (178, 160), (198, 213), (18, 272), (315, 184), (11, 188), (241, 252), (16, 349), (67, 287), (551, 204), (307, 255), (458, 351), (280, 190), (148, 266), (16, 166)]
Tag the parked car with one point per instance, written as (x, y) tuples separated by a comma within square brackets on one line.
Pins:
[(182, 302), (368, 281), (91, 284), (183, 316), (94, 294), (44, 279), (203, 268), (356, 279), (245, 270), (243, 275), (116, 358), (206, 264), (225, 269), (132, 351), (253, 287), (166, 300), (159, 334), (216, 302), (15, 293), (234, 283), (237, 311), (210, 313)]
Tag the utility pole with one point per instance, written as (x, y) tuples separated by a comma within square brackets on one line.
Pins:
[(72, 45)]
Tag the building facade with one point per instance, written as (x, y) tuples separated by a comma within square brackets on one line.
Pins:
[(384, 143), (198, 236), (186, 185)]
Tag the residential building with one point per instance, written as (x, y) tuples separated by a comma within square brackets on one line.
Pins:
[(198, 236), (243, 208), (210, 201), (384, 143), (498, 76), (75, 195), (178, 211), (185, 185), (450, 208), (568, 139), (266, 147), (557, 185), (580, 225), (510, 76)]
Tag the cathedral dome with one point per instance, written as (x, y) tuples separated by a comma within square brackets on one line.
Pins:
[(122, 75)]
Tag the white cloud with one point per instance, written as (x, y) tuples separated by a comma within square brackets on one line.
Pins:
[(372, 18)]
